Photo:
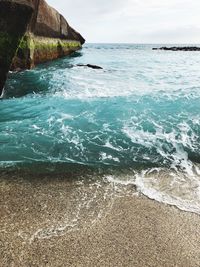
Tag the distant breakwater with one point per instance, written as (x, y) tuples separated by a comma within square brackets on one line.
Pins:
[(178, 48)]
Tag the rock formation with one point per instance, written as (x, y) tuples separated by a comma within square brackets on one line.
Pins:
[(90, 66), (32, 32), (14, 17), (179, 48)]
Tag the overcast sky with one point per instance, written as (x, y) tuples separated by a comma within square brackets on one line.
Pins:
[(135, 21)]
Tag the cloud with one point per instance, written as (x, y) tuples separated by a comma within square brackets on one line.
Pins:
[(188, 34), (133, 20)]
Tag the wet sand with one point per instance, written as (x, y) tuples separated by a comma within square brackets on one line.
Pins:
[(63, 222)]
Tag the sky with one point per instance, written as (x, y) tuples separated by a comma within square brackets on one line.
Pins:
[(133, 21)]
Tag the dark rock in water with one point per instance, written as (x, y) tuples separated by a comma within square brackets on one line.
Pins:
[(32, 32), (94, 66), (179, 48), (90, 66)]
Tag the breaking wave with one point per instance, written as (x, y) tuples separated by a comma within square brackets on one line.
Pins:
[(140, 113)]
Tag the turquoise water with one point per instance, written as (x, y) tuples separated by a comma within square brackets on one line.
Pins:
[(140, 114)]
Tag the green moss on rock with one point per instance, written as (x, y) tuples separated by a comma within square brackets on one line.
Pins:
[(34, 50)]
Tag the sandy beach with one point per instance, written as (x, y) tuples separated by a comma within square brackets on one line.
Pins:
[(57, 221)]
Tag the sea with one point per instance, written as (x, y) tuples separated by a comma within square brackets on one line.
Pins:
[(136, 121)]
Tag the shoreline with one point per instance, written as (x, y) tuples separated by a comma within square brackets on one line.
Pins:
[(66, 222)]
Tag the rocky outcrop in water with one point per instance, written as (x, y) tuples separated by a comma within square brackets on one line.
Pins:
[(179, 48), (90, 66), (32, 32)]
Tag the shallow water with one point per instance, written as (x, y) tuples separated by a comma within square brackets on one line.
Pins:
[(140, 114)]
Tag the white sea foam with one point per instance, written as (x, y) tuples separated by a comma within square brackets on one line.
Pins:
[(179, 185), (105, 157), (120, 180), (65, 117), (165, 186), (177, 189), (170, 146)]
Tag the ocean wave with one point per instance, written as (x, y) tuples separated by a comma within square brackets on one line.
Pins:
[(141, 112)]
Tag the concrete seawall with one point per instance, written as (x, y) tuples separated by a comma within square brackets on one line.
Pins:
[(32, 32)]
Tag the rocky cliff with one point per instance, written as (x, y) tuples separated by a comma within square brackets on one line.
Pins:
[(32, 32)]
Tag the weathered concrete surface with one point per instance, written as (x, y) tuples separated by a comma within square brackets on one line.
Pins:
[(48, 37), (32, 32), (14, 17)]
